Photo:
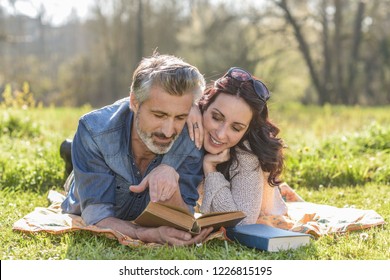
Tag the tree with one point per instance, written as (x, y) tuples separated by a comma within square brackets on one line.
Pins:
[(336, 68), (217, 37), (341, 48)]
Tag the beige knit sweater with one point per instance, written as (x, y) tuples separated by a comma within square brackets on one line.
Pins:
[(248, 191)]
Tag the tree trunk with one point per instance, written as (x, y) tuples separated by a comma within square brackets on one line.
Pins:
[(304, 48), (140, 33), (354, 58), (327, 67), (341, 94)]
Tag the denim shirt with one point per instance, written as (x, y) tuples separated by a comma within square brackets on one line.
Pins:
[(104, 167)]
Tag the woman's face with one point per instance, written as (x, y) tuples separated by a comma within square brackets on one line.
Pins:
[(225, 122)]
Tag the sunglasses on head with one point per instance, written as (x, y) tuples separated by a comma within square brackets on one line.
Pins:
[(242, 75)]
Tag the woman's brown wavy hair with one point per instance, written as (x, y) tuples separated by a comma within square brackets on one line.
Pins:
[(261, 134)]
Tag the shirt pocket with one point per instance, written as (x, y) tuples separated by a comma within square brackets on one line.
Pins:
[(128, 204)]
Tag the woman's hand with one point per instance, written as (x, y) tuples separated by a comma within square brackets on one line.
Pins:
[(195, 126), (211, 161), (288, 193)]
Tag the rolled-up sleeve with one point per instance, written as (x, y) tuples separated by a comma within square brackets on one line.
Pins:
[(93, 178), (187, 160), (94, 213), (243, 192), (191, 175), (215, 186), (189, 168)]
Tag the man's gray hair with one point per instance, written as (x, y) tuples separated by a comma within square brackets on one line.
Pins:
[(169, 72)]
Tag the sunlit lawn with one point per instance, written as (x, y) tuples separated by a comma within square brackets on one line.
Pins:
[(337, 156)]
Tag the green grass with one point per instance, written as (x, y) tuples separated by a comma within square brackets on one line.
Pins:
[(336, 155)]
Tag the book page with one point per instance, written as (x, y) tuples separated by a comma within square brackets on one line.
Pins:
[(222, 219), (157, 214)]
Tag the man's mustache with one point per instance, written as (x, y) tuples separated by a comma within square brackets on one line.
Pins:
[(163, 136)]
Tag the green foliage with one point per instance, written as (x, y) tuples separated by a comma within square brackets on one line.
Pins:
[(29, 147), (27, 159), (93, 59), (353, 159), (25, 165), (17, 125), (23, 98)]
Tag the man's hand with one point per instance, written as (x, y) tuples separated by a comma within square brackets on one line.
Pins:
[(195, 126), (161, 235), (171, 236), (163, 182), (211, 161)]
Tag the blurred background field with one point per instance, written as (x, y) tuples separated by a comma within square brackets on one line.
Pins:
[(312, 52)]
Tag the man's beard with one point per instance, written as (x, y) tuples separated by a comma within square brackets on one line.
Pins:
[(147, 139)]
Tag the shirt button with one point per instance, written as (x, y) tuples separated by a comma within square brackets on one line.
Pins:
[(139, 196)]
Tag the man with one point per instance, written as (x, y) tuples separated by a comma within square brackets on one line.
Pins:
[(136, 150)]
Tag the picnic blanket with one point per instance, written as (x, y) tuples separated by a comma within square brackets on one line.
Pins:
[(305, 217), (319, 219)]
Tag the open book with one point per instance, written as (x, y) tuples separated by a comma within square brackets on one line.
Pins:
[(157, 214), (267, 238)]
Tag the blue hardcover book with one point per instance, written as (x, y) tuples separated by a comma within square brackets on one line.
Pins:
[(267, 238)]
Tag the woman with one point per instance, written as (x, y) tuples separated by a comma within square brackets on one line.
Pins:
[(244, 156)]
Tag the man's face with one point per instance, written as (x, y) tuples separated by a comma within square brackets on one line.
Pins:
[(161, 118)]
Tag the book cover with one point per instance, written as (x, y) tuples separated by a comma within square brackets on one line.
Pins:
[(267, 238), (157, 214)]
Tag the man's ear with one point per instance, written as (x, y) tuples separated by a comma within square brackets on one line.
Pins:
[(134, 104)]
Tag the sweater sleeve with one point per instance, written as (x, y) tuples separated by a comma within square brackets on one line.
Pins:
[(272, 201), (243, 192)]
